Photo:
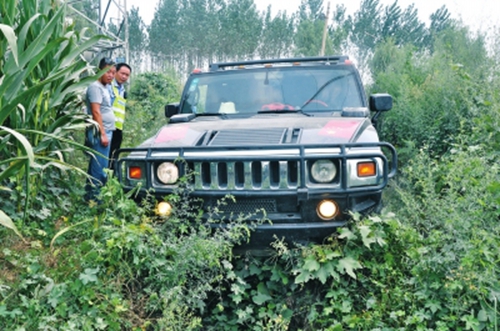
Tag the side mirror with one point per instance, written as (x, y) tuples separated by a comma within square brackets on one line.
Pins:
[(380, 102), (171, 109)]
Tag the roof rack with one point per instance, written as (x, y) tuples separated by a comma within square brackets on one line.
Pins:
[(330, 59)]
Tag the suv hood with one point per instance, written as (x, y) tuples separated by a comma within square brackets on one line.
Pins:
[(264, 130)]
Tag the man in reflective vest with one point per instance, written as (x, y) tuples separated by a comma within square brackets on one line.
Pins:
[(118, 100)]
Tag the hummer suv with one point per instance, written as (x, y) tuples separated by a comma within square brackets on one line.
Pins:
[(294, 138)]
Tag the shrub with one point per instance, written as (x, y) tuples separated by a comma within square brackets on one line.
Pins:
[(436, 96), (149, 93)]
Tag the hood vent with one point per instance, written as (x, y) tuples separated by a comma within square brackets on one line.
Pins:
[(247, 137)]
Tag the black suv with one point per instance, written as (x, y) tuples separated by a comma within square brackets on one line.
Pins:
[(292, 137)]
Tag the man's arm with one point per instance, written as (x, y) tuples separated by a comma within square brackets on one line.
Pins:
[(95, 108)]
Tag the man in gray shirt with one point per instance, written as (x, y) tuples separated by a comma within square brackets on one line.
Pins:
[(99, 106)]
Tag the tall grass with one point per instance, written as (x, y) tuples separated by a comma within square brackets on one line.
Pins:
[(42, 77)]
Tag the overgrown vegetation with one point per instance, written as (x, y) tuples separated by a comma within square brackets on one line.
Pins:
[(430, 261), (41, 71), (149, 94)]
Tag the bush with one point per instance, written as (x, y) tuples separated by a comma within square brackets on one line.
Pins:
[(436, 96), (148, 95)]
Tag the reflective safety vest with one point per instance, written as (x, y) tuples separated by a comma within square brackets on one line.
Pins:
[(118, 107)]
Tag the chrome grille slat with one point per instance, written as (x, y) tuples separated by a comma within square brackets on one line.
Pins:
[(231, 175), (247, 166), (198, 182), (284, 175), (214, 176), (266, 175)]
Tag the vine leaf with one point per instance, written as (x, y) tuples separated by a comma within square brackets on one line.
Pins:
[(262, 295), (348, 265)]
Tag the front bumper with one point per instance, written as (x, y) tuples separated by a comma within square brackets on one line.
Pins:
[(271, 182)]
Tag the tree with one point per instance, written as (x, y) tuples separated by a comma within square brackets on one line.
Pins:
[(365, 26), (165, 33), (277, 35), (137, 40), (403, 27), (309, 35), (241, 28), (339, 31), (440, 20)]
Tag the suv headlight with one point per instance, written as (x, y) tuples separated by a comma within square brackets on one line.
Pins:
[(323, 171), (167, 173)]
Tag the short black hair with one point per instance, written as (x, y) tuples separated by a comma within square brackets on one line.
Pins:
[(123, 64), (106, 61)]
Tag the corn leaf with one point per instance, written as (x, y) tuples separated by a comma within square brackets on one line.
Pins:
[(7, 222), (28, 149), (10, 35)]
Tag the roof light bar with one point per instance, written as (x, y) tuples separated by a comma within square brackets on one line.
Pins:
[(329, 59)]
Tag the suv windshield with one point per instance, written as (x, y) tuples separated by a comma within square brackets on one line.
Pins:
[(251, 91)]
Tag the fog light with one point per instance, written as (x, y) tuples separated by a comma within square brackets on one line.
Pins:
[(164, 209), (327, 210)]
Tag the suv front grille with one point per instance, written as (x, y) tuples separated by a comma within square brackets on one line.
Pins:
[(245, 175)]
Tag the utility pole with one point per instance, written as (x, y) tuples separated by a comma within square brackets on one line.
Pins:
[(323, 42), (106, 10)]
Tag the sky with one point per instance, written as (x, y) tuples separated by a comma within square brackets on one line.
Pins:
[(478, 14)]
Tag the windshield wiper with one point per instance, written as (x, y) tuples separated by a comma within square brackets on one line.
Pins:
[(328, 82), (282, 111)]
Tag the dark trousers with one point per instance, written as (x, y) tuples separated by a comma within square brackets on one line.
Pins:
[(116, 142)]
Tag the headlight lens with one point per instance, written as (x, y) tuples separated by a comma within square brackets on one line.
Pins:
[(168, 173), (323, 171)]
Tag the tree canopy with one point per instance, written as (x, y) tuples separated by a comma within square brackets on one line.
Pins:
[(185, 34)]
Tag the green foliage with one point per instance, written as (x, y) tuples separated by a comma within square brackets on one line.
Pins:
[(41, 78), (430, 264), (321, 287), (89, 8), (277, 35), (310, 26), (204, 31), (201, 30), (435, 97), (113, 266), (453, 204), (147, 97), (138, 38), (308, 38)]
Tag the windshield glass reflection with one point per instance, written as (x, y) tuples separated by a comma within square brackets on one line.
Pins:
[(273, 89)]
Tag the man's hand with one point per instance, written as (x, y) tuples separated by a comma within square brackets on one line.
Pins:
[(104, 139)]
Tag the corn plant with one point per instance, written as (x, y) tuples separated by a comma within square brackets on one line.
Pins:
[(42, 77)]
